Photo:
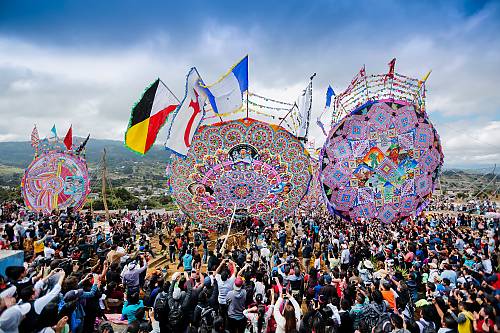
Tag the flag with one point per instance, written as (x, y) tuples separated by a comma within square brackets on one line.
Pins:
[(148, 116), (68, 139), (391, 64), (54, 131), (304, 103), (82, 145), (321, 125), (423, 79), (226, 95), (188, 116), (329, 94), (35, 138)]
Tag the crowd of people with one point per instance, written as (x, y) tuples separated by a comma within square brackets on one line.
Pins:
[(313, 272)]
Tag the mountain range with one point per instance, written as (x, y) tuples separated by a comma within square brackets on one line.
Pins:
[(19, 154)]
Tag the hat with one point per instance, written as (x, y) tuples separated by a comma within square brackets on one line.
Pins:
[(368, 264), (238, 283), (433, 265), (12, 317), (73, 295), (177, 293), (328, 279)]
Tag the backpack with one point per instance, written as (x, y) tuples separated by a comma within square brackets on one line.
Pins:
[(175, 315), (161, 305), (383, 323), (207, 318), (429, 328)]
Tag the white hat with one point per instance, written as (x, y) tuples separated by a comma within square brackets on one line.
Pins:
[(12, 317), (433, 265)]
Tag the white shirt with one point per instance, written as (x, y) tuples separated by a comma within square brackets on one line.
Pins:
[(487, 266), (48, 252), (278, 317), (344, 256)]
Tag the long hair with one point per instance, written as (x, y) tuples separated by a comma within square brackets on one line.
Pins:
[(290, 320)]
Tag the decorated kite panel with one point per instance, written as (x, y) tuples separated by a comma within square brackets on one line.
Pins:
[(381, 161), (55, 180), (243, 166)]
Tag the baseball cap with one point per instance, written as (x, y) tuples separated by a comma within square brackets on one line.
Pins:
[(12, 317)]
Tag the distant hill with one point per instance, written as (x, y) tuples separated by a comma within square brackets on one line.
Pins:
[(20, 154)]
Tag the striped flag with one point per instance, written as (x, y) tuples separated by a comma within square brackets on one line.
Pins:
[(148, 116)]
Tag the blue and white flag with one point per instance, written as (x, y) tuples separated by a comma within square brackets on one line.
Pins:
[(226, 95)]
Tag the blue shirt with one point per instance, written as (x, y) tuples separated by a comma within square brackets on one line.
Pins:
[(187, 259), (129, 311)]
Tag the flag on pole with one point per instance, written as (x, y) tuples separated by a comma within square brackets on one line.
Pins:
[(424, 78), (226, 95), (390, 74), (148, 116), (304, 104), (329, 94), (68, 139), (35, 138), (188, 116), (391, 64), (82, 145), (54, 131)]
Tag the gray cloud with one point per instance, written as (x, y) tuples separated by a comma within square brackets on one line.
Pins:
[(94, 88)]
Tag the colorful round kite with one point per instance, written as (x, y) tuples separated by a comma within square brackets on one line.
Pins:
[(243, 166), (381, 161), (55, 180)]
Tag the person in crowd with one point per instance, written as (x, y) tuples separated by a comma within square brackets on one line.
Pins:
[(309, 272)]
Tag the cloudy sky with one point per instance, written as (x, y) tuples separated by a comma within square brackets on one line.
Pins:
[(86, 62)]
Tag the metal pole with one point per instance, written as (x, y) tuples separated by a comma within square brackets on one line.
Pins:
[(283, 119), (103, 180)]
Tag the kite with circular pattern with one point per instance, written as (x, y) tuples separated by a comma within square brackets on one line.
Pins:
[(380, 161), (243, 166), (55, 181)]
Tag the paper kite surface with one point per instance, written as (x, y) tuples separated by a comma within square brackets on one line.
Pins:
[(55, 180), (246, 166), (381, 161)]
